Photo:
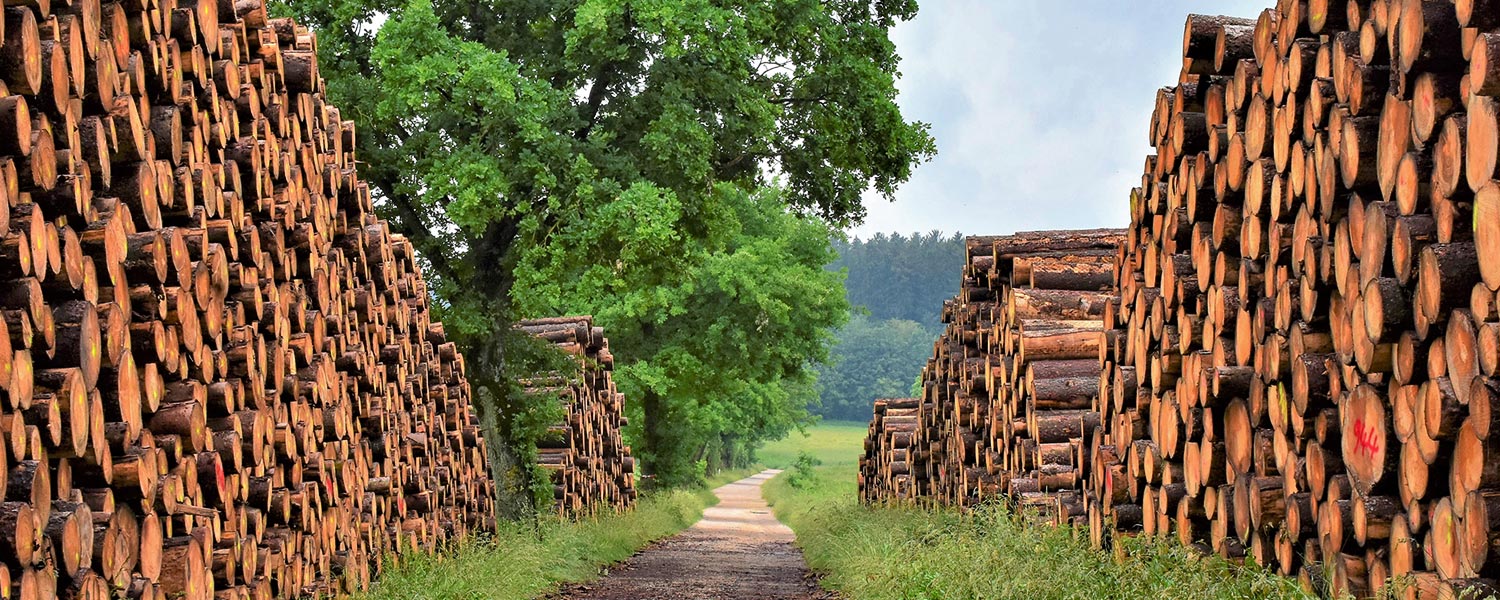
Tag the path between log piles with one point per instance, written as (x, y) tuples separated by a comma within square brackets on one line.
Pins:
[(738, 550)]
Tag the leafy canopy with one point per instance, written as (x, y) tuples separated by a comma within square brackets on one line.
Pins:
[(607, 155), (717, 346), (488, 123)]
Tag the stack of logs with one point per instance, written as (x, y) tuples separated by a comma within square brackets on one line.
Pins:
[(589, 464), (1008, 394), (1303, 364), (890, 467), (219, 375)]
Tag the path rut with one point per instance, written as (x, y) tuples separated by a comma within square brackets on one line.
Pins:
[(738, 550)]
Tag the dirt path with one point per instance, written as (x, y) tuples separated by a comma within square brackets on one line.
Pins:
[(738, 550)]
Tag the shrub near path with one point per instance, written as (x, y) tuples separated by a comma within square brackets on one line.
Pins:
[(895, 553)]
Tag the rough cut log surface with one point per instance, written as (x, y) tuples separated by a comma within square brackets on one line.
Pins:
[(1299, 360), (221, 377), (1010, 392)]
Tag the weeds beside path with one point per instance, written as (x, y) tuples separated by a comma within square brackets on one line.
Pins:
[(891, 553), (738, 550), (522, 561)]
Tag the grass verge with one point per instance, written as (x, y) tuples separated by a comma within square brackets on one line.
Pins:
[(522, 561), (896, 553)]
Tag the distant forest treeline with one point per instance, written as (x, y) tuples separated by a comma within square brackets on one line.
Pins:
[(900, 277), (897, 285)]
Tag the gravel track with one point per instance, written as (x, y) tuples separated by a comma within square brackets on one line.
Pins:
[(738, 550)]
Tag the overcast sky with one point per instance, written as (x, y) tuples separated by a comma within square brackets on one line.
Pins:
[(1039, 109)]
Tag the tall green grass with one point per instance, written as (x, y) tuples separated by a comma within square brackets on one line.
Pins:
[(896, 553), (527, 561), (829, 443)]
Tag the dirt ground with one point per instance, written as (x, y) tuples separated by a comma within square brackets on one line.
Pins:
[(738, 550)]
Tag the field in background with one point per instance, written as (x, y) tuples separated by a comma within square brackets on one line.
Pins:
[(891, 553), (835, 443)]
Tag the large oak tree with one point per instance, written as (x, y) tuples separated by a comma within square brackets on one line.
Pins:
[(672, 165)]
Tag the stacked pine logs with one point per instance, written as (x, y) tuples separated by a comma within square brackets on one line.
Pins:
[(889, 468), (1008, 393), (942, 457), (590, 466), (219, 374), (1303, 362), (1044, 366), (1303, 367)]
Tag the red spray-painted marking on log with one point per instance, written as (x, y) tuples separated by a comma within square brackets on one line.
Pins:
[(1366, 439)]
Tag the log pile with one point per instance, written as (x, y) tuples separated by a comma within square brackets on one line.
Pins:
[(888, 469), (220, 378), (943, 453), (590, 466), (1008, 393), (1302, 368), (1043, 368)]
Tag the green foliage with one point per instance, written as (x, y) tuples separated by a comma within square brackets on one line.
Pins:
[(899, 553), (897, 284), (638, 159), (716, 345), (902, 277), (525, 561), (527, 417), (801, 472), (871, 359)]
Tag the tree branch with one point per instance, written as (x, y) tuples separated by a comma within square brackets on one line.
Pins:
[(790, 100), (595, 102), (603, 78), (407, 208), (416, 228), (488, 255)]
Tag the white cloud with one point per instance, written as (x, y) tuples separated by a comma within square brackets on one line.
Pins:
[(1040, 109)]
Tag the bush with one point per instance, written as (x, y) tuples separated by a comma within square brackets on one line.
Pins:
[(801, 473)]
